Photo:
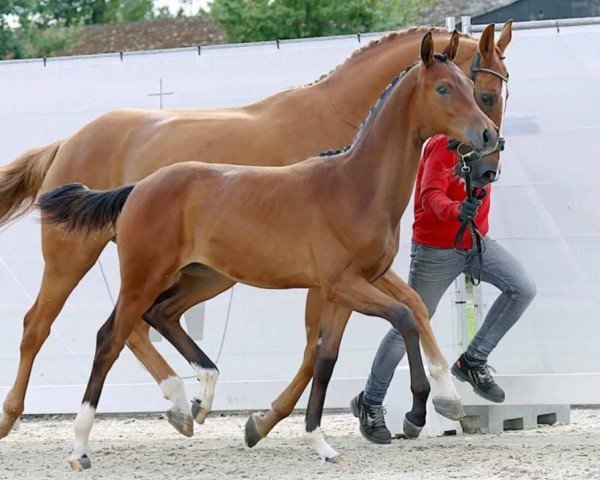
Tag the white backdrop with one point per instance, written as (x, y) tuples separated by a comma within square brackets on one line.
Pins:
[(543, 210)]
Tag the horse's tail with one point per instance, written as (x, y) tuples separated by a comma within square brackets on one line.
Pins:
[(21, 180), (80, 210)]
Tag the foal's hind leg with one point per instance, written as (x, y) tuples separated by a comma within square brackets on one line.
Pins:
[(66, 261), (134, 299), (259, 425), (165, 314), (447, 401)]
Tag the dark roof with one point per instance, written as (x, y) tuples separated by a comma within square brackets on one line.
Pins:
[(146, 35), (437, 12)]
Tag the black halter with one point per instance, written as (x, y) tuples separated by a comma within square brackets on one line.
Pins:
[(476, 68), (467, 156)]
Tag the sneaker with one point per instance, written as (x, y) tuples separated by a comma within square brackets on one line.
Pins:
[(479, 377), (371, 420)]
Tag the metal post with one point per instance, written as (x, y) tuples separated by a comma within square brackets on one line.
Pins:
[(450, 23), (459, 298), (465, 23)]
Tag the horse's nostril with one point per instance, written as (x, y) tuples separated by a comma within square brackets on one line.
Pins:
[(489, 176), (486, 136)]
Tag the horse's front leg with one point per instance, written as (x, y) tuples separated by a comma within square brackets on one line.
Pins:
[(357, 294), (259, 425), (333, 323), (446, 400)]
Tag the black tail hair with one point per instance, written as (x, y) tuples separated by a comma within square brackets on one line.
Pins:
[(78, 209)]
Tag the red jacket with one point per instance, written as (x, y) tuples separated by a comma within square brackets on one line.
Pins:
[(438, 195)]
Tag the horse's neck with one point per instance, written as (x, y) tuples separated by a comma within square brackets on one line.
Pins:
[(343, 98), (385, 157)]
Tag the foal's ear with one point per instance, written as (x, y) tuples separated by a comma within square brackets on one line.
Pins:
[(427, 49), (505, 36), (452, 47), (486, 42)]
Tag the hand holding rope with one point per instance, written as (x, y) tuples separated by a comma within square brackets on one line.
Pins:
[(475, 195)]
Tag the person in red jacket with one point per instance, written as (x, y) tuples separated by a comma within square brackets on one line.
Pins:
[(441, 205)]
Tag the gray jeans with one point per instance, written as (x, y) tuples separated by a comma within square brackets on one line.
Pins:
[(432, 271)]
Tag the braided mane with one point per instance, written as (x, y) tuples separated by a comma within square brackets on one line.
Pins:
[(384, 41), (374, 110)]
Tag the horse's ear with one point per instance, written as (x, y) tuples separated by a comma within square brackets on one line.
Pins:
[(505, 36), (452, 47), (486, 42), (427, 49)]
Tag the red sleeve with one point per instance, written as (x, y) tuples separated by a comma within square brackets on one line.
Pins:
[(438, 168)]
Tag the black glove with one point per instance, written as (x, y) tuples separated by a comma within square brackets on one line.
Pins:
[(468, 209)]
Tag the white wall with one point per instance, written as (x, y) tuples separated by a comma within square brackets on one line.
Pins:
[(543, 210)]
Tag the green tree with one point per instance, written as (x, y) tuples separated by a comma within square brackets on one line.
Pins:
[(42, 27), (256, 20)]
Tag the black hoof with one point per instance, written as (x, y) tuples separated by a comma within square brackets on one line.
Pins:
[(83, 463), (410, 429), (251, 435), (183, 423)]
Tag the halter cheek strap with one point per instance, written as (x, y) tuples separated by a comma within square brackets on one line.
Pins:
[(476, 68)]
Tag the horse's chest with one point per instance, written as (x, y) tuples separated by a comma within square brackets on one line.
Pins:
[(382, 254)]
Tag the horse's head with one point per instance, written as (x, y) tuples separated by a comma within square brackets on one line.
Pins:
[(447, 102), (490, 76)]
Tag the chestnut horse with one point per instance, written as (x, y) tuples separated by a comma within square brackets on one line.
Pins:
[(329, 225), (282, 129)]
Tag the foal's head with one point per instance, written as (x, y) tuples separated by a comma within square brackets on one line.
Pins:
[(446, 101)]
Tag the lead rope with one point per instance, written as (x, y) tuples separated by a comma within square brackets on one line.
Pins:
[(477, 241)]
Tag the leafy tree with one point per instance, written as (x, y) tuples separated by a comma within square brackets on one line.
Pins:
[(256, 20), (43, 27)]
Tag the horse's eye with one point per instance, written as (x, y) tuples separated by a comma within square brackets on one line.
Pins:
[(487, 100), (443, 90)]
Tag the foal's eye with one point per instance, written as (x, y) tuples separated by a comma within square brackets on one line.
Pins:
[(443, 90)]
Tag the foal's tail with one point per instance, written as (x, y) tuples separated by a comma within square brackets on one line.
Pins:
[(80, 210), (21, 180)]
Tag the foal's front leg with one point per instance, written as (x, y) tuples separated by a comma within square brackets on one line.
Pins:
[(447, 402), (357, 294)]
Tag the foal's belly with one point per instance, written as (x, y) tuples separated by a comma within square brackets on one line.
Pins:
[(255, 269)]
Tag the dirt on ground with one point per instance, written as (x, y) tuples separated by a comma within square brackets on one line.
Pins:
[(147, 447)]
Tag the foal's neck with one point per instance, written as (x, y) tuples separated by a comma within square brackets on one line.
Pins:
[(386, 154)]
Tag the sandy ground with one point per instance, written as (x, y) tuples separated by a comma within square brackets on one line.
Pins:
[(146, 447)]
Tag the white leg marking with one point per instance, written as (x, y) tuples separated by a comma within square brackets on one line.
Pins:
[(316, 441), (174, 391), (442, 384), (83, 425), (208, 380)]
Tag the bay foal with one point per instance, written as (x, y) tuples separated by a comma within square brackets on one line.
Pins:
[(283, 129), (331, 225)]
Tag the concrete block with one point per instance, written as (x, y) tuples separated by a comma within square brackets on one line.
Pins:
[(498, 418)]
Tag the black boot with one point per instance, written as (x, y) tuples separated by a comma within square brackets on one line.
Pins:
[(480, 378), (371, 420)]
